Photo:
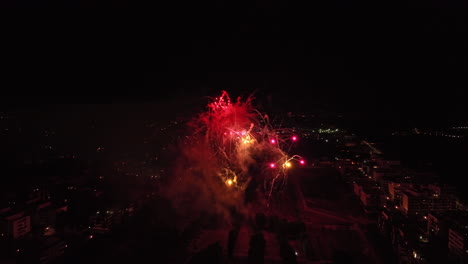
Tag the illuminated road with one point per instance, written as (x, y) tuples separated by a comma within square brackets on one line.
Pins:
[(373, 149)]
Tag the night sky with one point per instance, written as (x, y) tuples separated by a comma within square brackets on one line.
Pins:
[(409, 71)]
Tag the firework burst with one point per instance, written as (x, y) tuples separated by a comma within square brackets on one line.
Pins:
[(232, 151), (245, 144)]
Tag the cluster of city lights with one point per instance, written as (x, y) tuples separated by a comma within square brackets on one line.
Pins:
[(328, 130)]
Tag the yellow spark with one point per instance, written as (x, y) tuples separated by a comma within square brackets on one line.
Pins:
[(287, 164), (229, 182), (247, 139)]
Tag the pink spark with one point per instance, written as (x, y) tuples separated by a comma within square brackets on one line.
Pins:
[(272, 165), (294, 138), (302, 162), (272, 141)]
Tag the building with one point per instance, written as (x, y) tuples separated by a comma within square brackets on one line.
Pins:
[(459, 205), (44, 215), (451, 228), (415, 201), (421, 198), (458, 237), (15, 224), (443, 203), (458, 242), (433, 224), (382, 174), (102, 221), (37, 195), (42, 250), (369, 195), (51, 249), (395, 190)]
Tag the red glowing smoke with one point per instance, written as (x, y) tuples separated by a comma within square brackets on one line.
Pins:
[(232, 146)]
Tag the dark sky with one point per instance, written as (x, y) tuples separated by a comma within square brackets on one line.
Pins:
[(399, 68)]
